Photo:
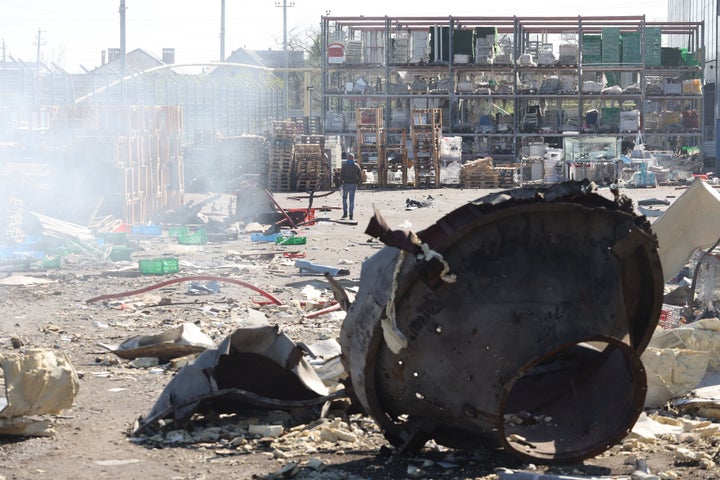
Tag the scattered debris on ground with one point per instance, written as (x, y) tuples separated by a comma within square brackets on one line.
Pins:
[(207, 313)]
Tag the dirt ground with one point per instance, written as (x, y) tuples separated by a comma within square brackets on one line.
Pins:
[(92, 438)]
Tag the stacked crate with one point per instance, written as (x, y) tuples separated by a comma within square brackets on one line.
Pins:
[(311, 167), (400, 53), (653, 47), (280, 163), (610, 118), (369, 124), (631, 48), (307, 125), (592, 49), (610, 53), (568, 54), (353, 52), (507, 176), (485, 44)]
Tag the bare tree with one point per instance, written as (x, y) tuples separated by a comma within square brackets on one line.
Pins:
[(307, 41)]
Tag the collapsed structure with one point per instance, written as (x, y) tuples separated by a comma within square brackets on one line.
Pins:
[(515, 321)]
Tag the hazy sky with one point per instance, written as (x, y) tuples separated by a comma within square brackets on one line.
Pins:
[(75, 32)]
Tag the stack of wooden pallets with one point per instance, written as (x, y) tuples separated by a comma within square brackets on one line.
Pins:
[(507, 176), (280, 163), (479, 174), (311, 167)]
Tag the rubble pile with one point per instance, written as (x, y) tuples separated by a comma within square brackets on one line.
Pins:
[(210, 327)]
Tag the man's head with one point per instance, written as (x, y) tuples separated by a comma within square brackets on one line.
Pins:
[(350, 158)]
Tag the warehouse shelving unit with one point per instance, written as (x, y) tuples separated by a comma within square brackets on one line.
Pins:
[(426, 131), (395, 154), (369, 127), (511, 89)]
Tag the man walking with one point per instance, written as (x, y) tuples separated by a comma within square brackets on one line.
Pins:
[(350, 178)]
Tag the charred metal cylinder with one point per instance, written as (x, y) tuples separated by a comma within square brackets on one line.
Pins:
[(534, 347)]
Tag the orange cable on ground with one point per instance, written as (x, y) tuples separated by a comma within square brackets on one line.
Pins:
[(186, 279)]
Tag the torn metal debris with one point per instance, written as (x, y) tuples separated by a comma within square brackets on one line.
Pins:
[(187, 339), (256, 366), (515, 321), (309, 267)]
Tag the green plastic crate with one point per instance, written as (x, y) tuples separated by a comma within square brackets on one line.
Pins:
[(610, 51), (631, 48), (196, 238), (292, 240), (177, 231), (592, 49), (52, 262), (159, 266), (120, 253), (610, 116)]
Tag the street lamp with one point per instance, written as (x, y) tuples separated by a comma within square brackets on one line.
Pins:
[(285, 6)]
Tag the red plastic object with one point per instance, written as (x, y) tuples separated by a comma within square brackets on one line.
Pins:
[(309, 214)]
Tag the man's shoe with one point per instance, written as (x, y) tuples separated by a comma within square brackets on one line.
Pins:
[(344, 217), (350, 217)]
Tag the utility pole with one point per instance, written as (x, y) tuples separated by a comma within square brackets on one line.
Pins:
[(285, 6), (38, 42), (123, 50), (717, 90), (4, 48), (222, 30)]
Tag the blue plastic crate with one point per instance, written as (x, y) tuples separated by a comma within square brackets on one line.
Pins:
[(259, 237), (146, 230)]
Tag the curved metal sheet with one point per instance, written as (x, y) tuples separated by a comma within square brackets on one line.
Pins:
[(537, 271)]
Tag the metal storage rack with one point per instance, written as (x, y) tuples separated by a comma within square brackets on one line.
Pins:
[(484, 93), (395, 154), (426, 132), (369, 126)]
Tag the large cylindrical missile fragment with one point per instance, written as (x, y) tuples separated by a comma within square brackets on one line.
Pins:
[(515, 321)]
